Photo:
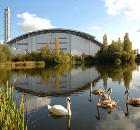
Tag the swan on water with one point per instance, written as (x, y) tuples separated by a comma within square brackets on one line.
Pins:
[(105, 96), (60, 110), (133, 101), (95, 91), (106, 103)]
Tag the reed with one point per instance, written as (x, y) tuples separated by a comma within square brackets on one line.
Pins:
[(10, 117)]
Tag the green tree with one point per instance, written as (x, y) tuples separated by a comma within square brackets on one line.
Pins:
[(48, 46), (56, 46), (7, 52), (127, 44), (105, 44), (1, 46), (3, 57)]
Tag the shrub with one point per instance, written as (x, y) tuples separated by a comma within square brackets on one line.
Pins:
[(3, 57)]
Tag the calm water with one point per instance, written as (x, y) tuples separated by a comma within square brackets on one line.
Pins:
[(52, 85)]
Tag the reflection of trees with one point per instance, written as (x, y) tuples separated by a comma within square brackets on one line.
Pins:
[(5, 75), (116, 73), (45, 73), (57, 75)]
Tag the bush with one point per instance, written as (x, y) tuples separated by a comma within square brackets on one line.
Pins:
[(3, 57)]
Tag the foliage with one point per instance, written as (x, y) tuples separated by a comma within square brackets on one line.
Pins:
[(10, 116), (56, 46), (116, 50), (48, 46), (3, 57), (77, 58), (7, 52), (105, 44), (83, 57)]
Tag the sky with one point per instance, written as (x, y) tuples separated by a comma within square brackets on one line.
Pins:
[(96, 17)]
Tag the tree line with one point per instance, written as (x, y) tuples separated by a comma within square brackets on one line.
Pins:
[(117, 51), (50, 57)]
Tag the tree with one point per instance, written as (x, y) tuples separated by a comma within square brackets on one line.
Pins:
[(120, 44), (56, 46), (105, 44), (1, 46), (7, 52), (48, 46), (3, 57), (127, 44)]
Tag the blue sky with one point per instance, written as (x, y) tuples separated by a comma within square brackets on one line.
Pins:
[(96, 17)]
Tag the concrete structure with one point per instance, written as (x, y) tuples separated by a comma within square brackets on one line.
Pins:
[(7, 24), (70, 41)]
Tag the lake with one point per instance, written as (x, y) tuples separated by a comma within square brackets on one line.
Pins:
[(53, 84)]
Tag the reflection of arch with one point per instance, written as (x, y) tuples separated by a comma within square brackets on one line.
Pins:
[(65, 93)]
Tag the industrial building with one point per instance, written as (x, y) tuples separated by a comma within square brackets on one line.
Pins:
[(70, 41)]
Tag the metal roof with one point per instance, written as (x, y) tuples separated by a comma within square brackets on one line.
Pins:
[(56, 30)]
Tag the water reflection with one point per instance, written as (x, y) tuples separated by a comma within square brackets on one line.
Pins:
[(109, 112), (118, 73), (57, 117), (59, 80)]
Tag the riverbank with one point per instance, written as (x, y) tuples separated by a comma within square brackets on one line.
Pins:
[(26, 64)]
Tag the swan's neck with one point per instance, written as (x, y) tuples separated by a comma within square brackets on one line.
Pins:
[(90, 87), (109, 95), (127, 97), (98, 103), (68, 108)]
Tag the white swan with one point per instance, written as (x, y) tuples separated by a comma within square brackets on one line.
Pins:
[(105, 96), (60, 110), (133, 101)]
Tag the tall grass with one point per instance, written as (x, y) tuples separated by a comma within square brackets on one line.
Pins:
[(10, 117)]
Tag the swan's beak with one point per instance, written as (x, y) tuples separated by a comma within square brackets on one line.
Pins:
[(107, 90), (69, 102)]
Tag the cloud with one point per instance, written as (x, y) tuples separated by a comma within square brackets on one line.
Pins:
[(36, 102), (95, 27), (138, 30), (30, 22), (118, 121), (130, 8), (75, 9)]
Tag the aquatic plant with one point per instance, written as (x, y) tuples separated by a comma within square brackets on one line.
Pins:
[(10, 116)]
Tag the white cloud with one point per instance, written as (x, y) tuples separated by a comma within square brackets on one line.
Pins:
[(95, 27), (75, 9), (130, 8), (80, 28), (30, 22)]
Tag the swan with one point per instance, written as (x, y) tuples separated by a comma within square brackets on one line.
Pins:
[(105, 96), (95, 91), (106, 103), (133, 101), (60, 110)]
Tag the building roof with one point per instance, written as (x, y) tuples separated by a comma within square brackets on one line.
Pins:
[(56, 30)]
